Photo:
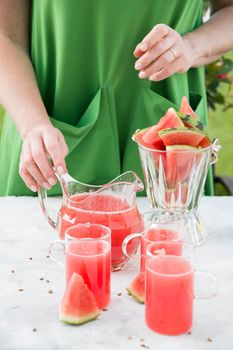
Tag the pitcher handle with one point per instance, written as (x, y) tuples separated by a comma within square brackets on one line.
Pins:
[(50, 215), (125, 243), (211, 290)]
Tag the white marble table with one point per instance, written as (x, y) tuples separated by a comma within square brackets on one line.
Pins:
[(24, 239)]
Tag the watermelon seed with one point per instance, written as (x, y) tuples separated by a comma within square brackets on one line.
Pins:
[(144, 346), (47, 281), (34, 329), (47, 256), (105, 309), (119, 294), (30, 258), (20, 289), (42, 278), (50, 291), (12, 271), (189, 332), (210, 339)]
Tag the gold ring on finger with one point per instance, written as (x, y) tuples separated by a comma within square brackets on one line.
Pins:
[(173, 53)]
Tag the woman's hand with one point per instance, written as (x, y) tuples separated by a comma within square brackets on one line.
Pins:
[(39, 145), (162, 53)]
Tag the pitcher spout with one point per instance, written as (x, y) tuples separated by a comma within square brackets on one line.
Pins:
[(130, 177)]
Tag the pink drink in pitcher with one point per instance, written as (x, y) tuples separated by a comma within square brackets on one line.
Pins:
[(169, 294), (161, 237), (91, 259), (106, 210)]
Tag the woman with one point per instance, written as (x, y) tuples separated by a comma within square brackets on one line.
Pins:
[(74, 90)]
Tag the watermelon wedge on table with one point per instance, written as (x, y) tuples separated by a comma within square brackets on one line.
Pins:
[(78, 304), (137, 288)]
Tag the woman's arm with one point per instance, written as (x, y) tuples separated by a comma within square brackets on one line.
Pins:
[(19, 95), (215, 37), (164, 52)]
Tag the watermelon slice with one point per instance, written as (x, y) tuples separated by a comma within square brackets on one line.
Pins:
[(78, 304), (185, 108), (137, 288), (152, 139), (140, 138), (205, 142), (149, 137), (169, 120), (179, 161), (181, 136), (191, 122)]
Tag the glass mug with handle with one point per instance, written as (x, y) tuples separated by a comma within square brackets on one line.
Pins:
[(170, 290), (159, 226), (88, 252)]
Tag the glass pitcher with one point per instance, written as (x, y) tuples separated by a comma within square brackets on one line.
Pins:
[(112, 205), (175, 180)]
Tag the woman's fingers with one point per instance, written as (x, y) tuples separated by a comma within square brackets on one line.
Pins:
[(57, 149), (167, 71), (167, 53), (41, 144), (29, 166), (156, 34), (28, 179), (155, 52), (41, 160), (162, 61)]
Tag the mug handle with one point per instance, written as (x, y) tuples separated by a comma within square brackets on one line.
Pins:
[(210, 292), (51, 246), (125, 243), (43, 199)]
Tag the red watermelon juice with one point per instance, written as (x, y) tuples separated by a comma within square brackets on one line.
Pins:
[(91, 259), (168, 240), (106, 210), (169, 294)]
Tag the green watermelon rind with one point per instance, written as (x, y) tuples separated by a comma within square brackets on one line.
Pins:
[(182, 148), (194, 123), (78, 320), (78, 304), (188, 130), (131, 289), (136, 296)]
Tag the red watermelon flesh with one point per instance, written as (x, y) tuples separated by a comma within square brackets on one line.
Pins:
[(139, 138), (179, 161), (78, 304), (205, 142), (137, 288), (149, 137), (169, 120), (181, 136), (186, 108)]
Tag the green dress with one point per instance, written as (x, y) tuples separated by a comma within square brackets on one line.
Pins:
[(82, 53)]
